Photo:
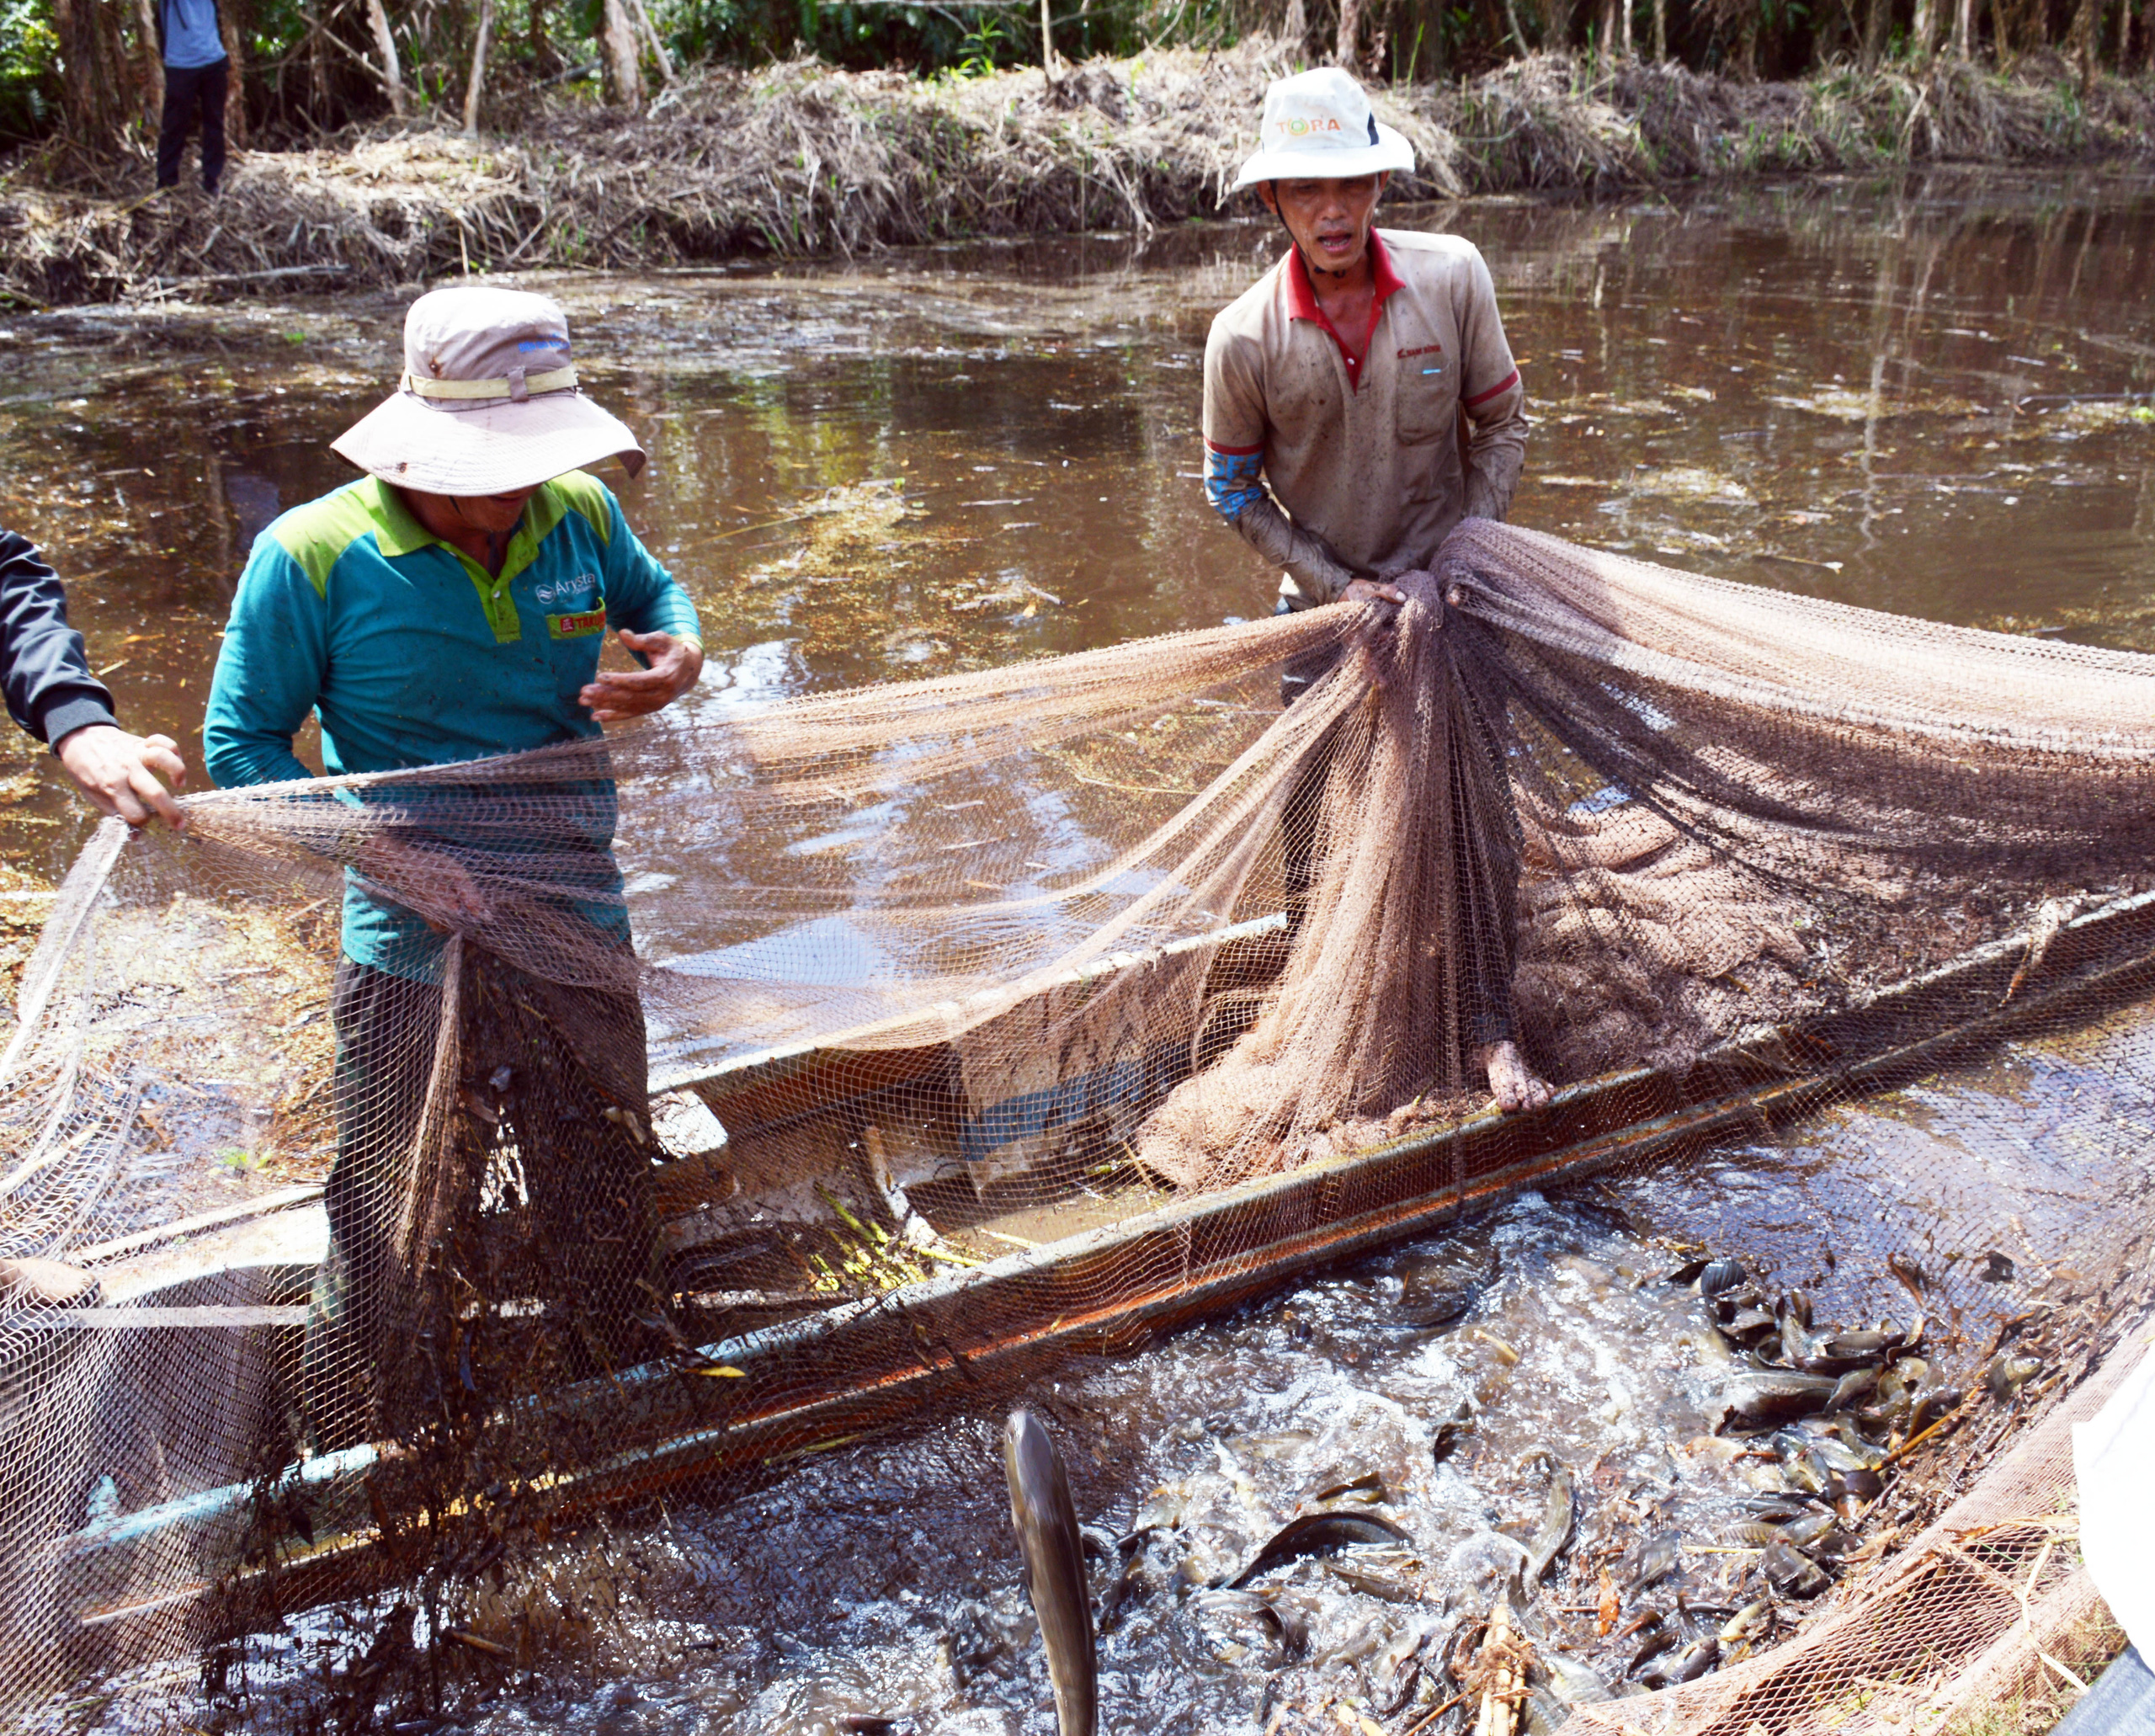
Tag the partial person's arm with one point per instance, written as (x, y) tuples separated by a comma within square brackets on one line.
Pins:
[(51, 692), (269, 672), (1493, 399), (1234, 475), (647, 606)]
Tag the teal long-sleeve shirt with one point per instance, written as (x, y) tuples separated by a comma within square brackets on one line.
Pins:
[(412, 654)]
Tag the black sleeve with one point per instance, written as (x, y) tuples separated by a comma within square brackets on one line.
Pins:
[(44, 675)]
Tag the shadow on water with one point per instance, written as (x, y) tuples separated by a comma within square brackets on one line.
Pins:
[(1912, 395)]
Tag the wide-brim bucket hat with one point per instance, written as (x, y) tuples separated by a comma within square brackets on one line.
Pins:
[(488, 403), (1318, 125)]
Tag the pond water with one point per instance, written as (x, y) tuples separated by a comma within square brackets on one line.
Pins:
[(1918, 396)]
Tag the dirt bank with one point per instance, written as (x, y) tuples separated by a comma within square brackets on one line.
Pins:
[(799, 159)]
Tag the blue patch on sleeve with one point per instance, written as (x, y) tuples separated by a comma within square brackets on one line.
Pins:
[(1233, 482)]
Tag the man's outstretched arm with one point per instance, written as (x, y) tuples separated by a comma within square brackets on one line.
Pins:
[(51, 693)]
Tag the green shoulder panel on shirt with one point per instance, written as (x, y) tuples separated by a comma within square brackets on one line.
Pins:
[(316, 535), (578, 492)]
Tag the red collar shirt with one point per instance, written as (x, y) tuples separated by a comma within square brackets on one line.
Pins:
[(1368, 454)]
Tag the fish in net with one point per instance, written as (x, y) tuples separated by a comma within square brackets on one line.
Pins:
[(1107, 959)]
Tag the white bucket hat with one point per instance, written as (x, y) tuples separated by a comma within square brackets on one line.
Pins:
[(488, 403), (1317, 126)]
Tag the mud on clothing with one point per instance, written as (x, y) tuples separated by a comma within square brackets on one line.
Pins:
[(412, 654), (1366, 455)]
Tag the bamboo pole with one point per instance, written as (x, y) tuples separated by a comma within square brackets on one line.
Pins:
[(657, 46), (478, 80), (385, 46)]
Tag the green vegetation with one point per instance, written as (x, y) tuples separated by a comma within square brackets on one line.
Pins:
[(83, 69)]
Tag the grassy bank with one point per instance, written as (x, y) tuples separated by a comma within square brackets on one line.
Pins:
[(799, 159)]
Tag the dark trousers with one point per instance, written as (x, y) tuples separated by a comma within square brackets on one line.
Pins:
[(537, 1178), (188, 88)]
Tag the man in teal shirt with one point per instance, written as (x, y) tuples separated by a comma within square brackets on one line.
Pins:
[(448, 606)]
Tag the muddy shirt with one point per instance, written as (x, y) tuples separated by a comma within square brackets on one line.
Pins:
[(412, 654), (1366, 455)]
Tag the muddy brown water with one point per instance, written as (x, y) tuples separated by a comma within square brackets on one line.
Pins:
[(1918, 395)]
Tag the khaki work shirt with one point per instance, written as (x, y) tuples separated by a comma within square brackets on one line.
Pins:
[(1368, 455)]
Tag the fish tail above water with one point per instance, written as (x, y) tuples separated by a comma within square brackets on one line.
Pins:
[(1046, 1521)]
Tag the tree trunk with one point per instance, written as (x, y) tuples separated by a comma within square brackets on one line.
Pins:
[(385, 45), (1048, 68), (1623, 28), (1349, 51), (94, 74), (1921, 31), (317, 65), (2124, 36), (543, 60), (1661, 32), (479, 46), (623, 67), (1296, 26), (1874, 33), (149, 63), (228, 13), (1964, 29)]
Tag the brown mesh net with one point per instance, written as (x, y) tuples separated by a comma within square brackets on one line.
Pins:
[(976, 1022)]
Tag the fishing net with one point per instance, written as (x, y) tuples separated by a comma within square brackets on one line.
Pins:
[(975, 1022)]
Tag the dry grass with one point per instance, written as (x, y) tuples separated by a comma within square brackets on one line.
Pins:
[(2087, 1648), (798, 159)]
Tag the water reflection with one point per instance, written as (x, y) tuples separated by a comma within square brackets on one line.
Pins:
[(1896, 394)]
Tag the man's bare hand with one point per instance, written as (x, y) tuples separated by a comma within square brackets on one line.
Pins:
[(120, 773), (675, 665), (1372, 590), (434, 884), (1511, 1082)]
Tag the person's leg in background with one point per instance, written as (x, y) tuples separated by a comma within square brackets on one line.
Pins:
[(216, 86), (183, 92)]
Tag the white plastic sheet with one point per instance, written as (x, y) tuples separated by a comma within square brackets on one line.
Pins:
[(2112, 1456)]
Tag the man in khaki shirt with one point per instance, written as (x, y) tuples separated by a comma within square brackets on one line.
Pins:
[(1359, 398)]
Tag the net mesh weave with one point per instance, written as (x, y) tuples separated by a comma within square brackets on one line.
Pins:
[(1192, 987)]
